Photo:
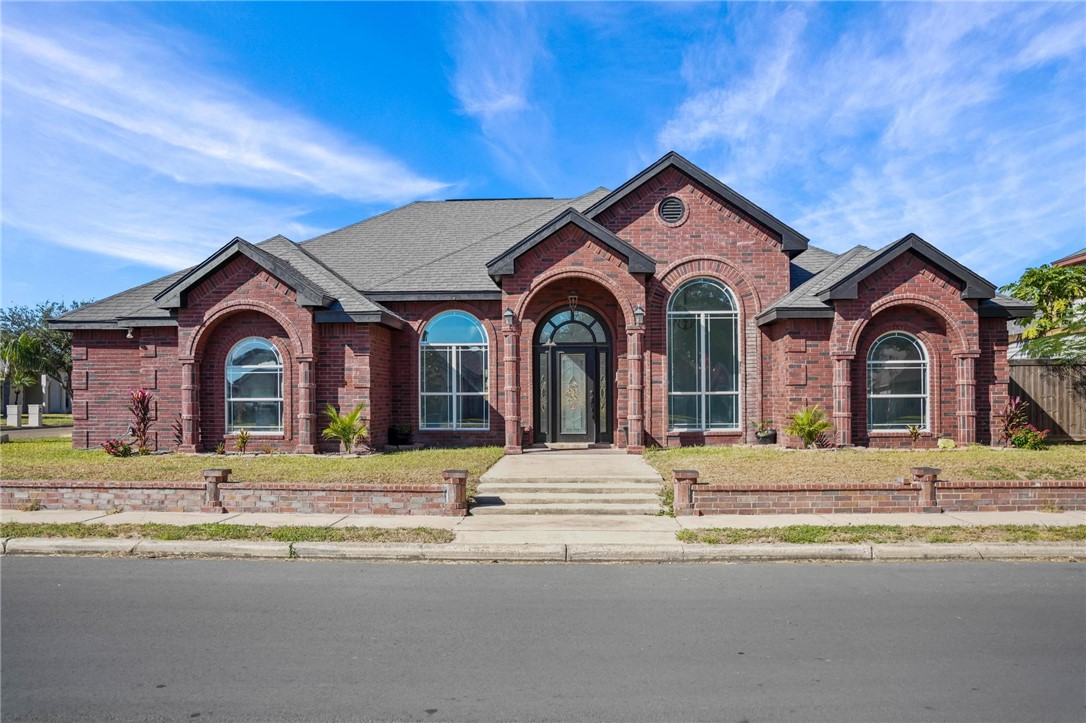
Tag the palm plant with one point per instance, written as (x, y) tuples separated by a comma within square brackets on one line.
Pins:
[(20, 362), (807, 424), (347, 428)]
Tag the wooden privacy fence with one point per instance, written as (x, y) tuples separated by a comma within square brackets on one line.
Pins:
[(1056, 396)]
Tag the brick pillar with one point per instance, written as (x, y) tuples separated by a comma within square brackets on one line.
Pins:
[(926, 478), (684, 480), (456, 491), (190, 406), (634, 414), (842, 398), (512, 391), (967, 398), (306, 386)]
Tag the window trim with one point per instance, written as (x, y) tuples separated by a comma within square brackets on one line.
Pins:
[(228, 429), (923, 364), (702, 319), (454, 394)]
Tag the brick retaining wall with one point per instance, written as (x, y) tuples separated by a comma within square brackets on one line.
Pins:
[(345, 499)]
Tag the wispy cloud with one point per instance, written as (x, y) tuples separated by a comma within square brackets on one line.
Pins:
[(964, 123), (117, 141), (497, 50)]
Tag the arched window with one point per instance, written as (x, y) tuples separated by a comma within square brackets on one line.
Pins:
[(572, 327), (703, 357), (454, 374), (254, 387), (897, 383)]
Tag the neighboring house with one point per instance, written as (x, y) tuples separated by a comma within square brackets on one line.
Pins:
[(50, 394), (669, 311)]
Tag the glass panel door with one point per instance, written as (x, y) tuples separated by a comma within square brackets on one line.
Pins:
[(573, 394)]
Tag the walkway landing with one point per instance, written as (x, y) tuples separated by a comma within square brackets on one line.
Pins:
[(566, 482)]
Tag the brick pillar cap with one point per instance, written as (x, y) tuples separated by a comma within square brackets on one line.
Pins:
[(685, 473), (923, 471), (217, 472), (455, 473)]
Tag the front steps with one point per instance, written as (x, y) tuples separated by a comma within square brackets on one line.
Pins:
[(569, 483)]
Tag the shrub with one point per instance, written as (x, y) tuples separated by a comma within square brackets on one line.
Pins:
[(914, 432), (1011, 417), (1029, 437), (178, 430), (347, 428), (117, 448), (220, 448), (242, 441), (140, 406), (807, 424)]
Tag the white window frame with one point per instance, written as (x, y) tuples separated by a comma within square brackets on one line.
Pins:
[(702, 318), (455, 394), (278, 370), (925, 395)]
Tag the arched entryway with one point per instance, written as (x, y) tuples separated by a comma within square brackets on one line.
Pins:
[(573, 359)]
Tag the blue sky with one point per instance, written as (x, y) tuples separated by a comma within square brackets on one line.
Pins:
[(138, 138)]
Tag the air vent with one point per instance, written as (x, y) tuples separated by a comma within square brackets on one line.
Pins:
[(672, 210)]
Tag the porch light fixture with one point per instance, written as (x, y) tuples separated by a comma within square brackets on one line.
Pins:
[(639, 316), (129, 335), (573, 298), (508, 316)]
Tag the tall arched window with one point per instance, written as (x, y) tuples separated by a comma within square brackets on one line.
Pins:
[(703, 357), (897, 383), (454, 374), (254, 387)]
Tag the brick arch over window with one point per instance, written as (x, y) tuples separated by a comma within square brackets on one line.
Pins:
[(937, 339), (954, 329), (194, 341), (544, 280), (749, 305)]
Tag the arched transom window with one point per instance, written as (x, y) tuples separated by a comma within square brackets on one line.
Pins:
[(572, 327), (254, 387), (703, 357), (897, 383), (454, 374)]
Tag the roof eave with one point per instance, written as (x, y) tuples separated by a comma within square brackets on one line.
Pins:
[(771, 315)]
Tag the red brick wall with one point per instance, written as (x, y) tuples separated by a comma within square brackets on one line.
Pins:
[(993, 376), (798, 371), (106, 367)]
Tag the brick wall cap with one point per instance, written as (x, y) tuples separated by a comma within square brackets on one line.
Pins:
[(924, 471), (684, 473)]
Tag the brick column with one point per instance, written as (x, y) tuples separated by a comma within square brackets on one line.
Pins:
[(512, 390), (634, 415), (926, 477), (456, 491), (842, 398), (306, 386), (190, 406), (967, 398), (684, 480)]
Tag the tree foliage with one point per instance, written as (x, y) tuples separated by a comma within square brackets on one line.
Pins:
[(1058, 329), (52, 347)]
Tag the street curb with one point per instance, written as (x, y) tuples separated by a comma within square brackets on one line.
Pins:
[(539, 552)]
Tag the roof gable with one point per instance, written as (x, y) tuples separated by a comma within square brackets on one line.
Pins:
[(637, 262), (974, 286), (792, 242), (309, 293)]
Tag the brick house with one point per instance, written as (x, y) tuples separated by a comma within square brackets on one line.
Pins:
[(669, 311)]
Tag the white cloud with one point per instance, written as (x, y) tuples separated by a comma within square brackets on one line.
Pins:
[(964, 123), (117, 141)]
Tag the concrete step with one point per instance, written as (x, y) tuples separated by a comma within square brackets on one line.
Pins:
[(545, 479), (566, 509), (529, 498), (597, 488)]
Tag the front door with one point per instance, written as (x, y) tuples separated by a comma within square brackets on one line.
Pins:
[(572, 379)]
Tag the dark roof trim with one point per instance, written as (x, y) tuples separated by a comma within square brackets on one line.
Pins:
[(309, 293), (991, 308), (434, 295), (792, 241), (976, 287), (359, 317), (771, 315), (636, 262)]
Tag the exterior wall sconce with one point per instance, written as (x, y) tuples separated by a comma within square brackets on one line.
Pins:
[(508, 316), (129, 335), (573, 298), (639, 316)]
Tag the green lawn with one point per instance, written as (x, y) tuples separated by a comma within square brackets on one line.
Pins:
[(857, 534), (47, 420), (55, 459), (220, 531), (745, 465)]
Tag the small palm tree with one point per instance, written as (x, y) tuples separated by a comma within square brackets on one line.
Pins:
[(807, 424), (20, 362), (347, 428)]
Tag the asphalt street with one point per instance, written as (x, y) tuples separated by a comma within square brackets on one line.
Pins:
[(132, 639)]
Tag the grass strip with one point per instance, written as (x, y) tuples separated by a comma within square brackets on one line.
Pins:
[(220, 531), (811, 534)]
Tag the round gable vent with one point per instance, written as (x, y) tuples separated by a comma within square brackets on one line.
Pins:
[(672, 209)]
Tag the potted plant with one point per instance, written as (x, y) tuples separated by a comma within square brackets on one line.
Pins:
[(764, 431), (399, 434)]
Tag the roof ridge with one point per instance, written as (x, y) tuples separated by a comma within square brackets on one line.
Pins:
[(567, 202)]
